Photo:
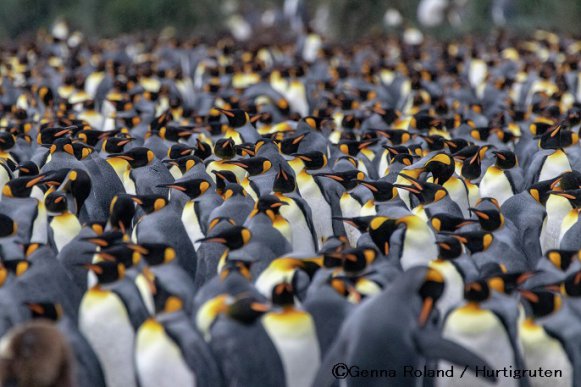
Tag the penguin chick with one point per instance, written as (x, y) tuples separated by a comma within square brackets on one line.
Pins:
[(36, 354)]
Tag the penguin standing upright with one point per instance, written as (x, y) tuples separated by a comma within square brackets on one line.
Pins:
[(293, 333), (168, 349), (108, 316)]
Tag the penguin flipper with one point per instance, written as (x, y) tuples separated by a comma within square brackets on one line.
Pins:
[(434, 346)]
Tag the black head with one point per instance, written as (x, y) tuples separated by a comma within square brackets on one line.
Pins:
[(233, 237), (381, 229), (155, 253), (382, 190), (56, 202), (136, 157), (224, 148), (45, 310), (150, 203), (121, 212), (8, 226), (284, 182), (107, 271), (283, 294), (194, 188), (449, 248), (505, 159), (246, 309)]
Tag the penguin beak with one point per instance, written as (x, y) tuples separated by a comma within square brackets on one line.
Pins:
[(562, 194), (408, 188), (174, 186), (213, 240), (331, 176), (121, 156), (225, 112), (479, 214), (35, 181)]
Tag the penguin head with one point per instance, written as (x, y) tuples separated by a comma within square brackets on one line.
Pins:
[(448, 223), (562, 259), (45, 310), (505, 159), (233, 237), (541, 303), (540, 191), (477, 291), (284, 182), (241, 267), (184, 163), (312, 160), (233, 190), (290, 145), (27, 168), (90, 136), (283, 295), (174, 133), (356, 260), (8, 226), (471, 166), (441, 166), (269, 205), (20, 187), (220, 220), (56, 203), (567, 181), (48, 136), (164, 301), (434, 142), (121, 212), (403, 158), (381, 228), (348, 179), (78, 183), (246, 309), (253, 165), (17, 266), (107, 272), (456, 144), (353, 147), (7, 141), (121, 253), (558, 138), (381, 190), (505, 282), (488, 213), (246, 149), (572, 285), (115, 145), (236, 117), (105, 239), (202, 149), (194, 188), (179, 150), (150, 203), (430, 292), (136, 157), (222, 178), (154, 254), (425, 192), (224, 148), (475, 241), (449, 248), (62, 145)]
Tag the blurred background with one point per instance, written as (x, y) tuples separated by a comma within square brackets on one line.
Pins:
[(339, 19)]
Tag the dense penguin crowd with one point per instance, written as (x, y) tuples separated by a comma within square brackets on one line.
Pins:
[(228, 214)]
